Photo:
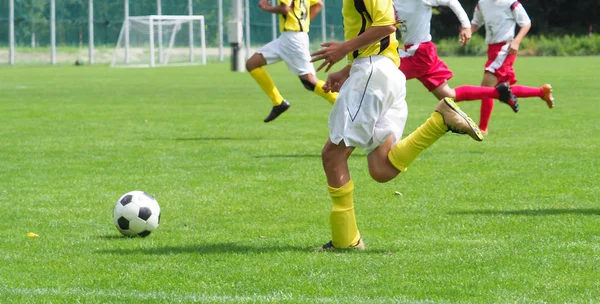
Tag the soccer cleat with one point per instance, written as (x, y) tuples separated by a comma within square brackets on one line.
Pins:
[(277, 110), (484, 132), (329, 246), (456, 120), (507, 96), (548, 98)]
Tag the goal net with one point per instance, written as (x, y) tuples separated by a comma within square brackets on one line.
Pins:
[(149, 41)]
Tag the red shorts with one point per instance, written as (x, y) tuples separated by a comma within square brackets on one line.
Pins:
[(500, 63), (426, 66)]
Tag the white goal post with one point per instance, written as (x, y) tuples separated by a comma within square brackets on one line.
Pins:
[(160, 40)]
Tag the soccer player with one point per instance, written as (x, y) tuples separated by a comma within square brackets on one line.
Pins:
[(292, 47), (500, 18), (420, 59), (370, 112)]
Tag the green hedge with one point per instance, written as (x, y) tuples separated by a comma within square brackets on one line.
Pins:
[(532, 45)]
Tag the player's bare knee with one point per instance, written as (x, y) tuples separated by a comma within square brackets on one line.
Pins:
[(256, 61), (250, 66)]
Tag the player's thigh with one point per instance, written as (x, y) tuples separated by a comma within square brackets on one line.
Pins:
[(489, 79)]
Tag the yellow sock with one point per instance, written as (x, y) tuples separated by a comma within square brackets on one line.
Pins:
[(331, 96), (265, 82), (344, 232), (407, 150)]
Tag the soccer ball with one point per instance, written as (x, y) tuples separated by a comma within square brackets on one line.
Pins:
[(136, 213)]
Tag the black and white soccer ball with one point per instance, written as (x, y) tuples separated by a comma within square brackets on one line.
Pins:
[(136, 213)]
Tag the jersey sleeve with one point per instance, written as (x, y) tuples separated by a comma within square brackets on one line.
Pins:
[(286, 2), (477, 17), (519, 13), (313, 2), (382, 12), (455, 6), (432, 2)]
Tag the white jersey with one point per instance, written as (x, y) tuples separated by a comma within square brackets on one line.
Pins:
[(500, 18), (414, 18)]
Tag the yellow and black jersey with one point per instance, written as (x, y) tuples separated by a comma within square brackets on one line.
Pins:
[(359, 15), (298, 19)]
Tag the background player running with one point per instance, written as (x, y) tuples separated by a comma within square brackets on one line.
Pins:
[(500, 18), (292, 47), (420, 60)]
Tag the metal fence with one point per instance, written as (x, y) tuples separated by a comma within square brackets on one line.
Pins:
[(69, 31)]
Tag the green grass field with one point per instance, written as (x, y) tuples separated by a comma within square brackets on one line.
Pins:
[(513, 219)]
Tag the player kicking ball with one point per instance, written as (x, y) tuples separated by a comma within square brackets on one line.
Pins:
[(370, 112), (291, 47)]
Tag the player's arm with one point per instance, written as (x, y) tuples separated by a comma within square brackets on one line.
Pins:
[(513, 48), (522, 19), (477, 20), (459, 11), (333, 52), (315, 8), (266, 6), (383, 16), (335, 80)]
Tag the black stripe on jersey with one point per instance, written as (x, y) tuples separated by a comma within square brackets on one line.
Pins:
[(294, 12), (362, 10), (362, 98), (384, 43)]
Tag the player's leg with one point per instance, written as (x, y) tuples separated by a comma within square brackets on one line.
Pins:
[(544, 92), (268, 54), (353, 124), (487, 104), (313, 84), (502, 92), (344, 231), (261, 76), (437, 77), (447, 117)]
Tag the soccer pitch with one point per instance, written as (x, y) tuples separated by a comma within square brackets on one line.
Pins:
[(513, 219)]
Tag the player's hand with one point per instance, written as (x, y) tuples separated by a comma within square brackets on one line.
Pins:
[(331, 53), (334, 81), (513, 47), (264, 4), (464, 36)]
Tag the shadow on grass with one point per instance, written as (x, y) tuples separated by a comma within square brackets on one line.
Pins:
[(224, 248), (207, 139), (288, 156), (215, 138), (531, 212), (301, 155)]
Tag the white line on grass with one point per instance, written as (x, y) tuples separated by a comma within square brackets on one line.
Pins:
[(7, 291)]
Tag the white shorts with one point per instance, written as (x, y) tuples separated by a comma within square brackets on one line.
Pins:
[(371, 105), (293, 48)]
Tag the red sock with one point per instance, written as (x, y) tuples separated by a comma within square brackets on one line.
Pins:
[(522, 91), (487, 105), (474, 93)]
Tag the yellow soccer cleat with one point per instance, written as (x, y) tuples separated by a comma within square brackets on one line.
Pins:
[(456, 120)]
